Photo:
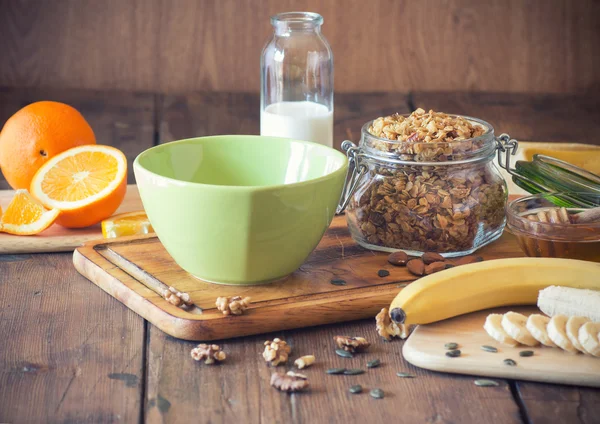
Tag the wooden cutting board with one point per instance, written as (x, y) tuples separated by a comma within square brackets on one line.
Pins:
[(57, 238), (134, 270), (425, 348)]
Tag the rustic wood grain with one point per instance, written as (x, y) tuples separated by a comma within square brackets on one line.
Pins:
[(380, 45), (242, 394), (201, 114), (138, 269), (123, 120), (533, 117), (69, 352), (577, 405)]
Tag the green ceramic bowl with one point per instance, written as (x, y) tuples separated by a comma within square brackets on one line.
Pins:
[(240, 209)]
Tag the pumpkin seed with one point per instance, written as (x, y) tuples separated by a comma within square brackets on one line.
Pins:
[(377, 393), (335, 370), (383, 273), (356, 389), (510, 362), (526, 353), (354, 371), (344, 353), (338, 282), (374, 363), (404, 375), (401, 286), (486, 383), (451, 346), (455, 353), (489, 348)]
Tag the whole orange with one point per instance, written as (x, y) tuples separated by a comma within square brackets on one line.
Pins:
[(35, 134)]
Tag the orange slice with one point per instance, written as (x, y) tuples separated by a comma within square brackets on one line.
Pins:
[(86, 183), (26, 216), (126, 224)]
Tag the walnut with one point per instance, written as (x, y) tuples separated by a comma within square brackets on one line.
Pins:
[(387, 328), (290, 382), (208, 353), (276, 352), (176, 298), (304, 361), (234, 305), (352, 344)]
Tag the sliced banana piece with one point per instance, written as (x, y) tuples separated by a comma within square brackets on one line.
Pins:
[(573, 326), (514, 325), (588, 337), (557, 330), (536, 325), (493, 326)]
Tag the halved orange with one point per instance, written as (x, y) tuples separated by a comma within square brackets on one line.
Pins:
[(126, 224), (26, 216), (86, 183)]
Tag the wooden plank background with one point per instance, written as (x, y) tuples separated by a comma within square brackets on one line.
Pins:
[(548, 46)]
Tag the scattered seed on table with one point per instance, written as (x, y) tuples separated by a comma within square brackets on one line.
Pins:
[(486, 383), (335, 370), (526, 353), (377, 393), (487, 348), (455, 353), (338, 282), (356, 389), (354, 371), (404, 375), (383, 273), (510, 362), (451, 346), (344, 353), (374, 363), (401, 286)]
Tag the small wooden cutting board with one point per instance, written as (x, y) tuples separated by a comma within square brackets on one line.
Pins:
[(425, 348), (134, 270), (57, 238)]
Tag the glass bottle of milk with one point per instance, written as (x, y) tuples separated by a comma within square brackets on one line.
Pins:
[(297, 80)]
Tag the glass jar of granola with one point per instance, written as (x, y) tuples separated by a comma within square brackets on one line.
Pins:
[(425, 182)]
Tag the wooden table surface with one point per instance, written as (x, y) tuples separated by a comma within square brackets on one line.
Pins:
[(71, 353)]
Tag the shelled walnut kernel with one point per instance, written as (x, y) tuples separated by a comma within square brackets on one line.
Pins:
[(234, 305), (388, 329), (290, 382), (177, 298), (208, 353), (304, 361), (276, 352), (351, 344)]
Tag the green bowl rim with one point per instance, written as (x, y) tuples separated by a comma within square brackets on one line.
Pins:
[(342, 169)]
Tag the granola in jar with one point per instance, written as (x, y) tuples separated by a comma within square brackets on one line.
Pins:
[(427, 185)]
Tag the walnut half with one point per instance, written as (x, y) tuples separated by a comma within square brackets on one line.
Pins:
[(276, 352), (387, 328), (176, 298), (234, 305), (352, 344), (208, 353), (290, 382)]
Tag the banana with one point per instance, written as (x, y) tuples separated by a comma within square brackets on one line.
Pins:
[(588, 337), (570, 302), (514, 325), (558, 333), (536, 325), (488, 284), (493, 326), (573, 326)]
